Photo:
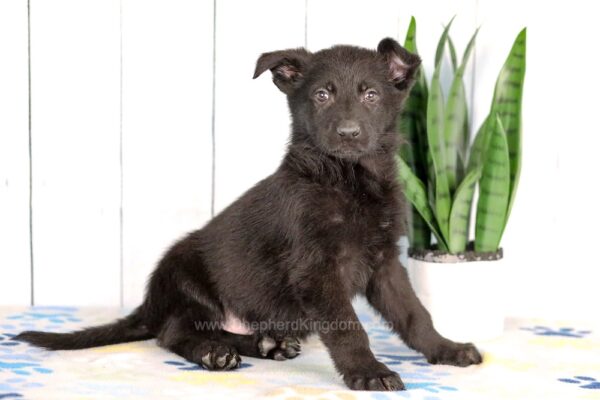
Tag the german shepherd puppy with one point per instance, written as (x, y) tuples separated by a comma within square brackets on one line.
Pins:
[(285, 260)]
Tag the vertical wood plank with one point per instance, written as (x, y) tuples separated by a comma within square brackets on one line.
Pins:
[(251, 116), (565, 96), (552, 221), (352, 22), (500, 25), (75, 136), (167, 130), (15, 277)]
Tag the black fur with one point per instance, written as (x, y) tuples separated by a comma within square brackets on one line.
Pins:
[(128, 329), (292, 252)]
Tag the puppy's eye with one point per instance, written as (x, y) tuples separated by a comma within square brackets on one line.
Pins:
[(322, 95), (371, 96)]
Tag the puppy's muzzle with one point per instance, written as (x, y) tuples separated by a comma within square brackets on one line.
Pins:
[(348, 129)]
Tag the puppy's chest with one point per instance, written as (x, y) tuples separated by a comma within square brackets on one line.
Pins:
[(364, 237), (362, 218), (365, 212)]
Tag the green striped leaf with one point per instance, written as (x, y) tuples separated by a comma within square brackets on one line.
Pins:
[(415, 192), (443, 203), (439, 51), (452, 49), (461, 212), (494, 189), (456, 119), (479, 144), (508, 97), (419, 234), (412, 123), (410, 41), (437, 146)]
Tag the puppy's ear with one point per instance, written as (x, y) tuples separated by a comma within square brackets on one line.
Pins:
[(402, 64), (287, 67)]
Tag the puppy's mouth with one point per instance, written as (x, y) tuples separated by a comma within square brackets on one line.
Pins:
[(344, 146), (347, 152)]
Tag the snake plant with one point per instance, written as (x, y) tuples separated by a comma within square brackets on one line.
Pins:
[(440, 168)]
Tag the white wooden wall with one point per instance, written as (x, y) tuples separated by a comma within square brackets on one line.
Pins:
[(126, 123)]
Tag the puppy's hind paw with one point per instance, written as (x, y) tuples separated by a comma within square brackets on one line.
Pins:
[(280, 350), (217, 357)]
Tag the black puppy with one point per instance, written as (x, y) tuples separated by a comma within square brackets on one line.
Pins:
[(287, 258)]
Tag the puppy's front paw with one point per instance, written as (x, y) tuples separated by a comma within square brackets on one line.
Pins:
[(380, 378), (280, 350), (382, 381), (458, 354)]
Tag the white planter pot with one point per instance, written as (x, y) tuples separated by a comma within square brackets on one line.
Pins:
[(465, 299)]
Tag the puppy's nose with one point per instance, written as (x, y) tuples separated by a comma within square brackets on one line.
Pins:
[(348, 128)]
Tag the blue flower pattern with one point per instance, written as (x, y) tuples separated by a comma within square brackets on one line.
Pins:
[(584, 382), (188, 366), (566, 332)]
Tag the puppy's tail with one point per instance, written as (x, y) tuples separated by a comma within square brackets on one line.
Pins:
[(128, 329)]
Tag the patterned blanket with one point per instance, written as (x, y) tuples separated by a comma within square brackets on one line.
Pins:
[(533, 360)]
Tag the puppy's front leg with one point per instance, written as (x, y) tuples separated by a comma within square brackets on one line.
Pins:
[(347, 342), (389, 292)]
